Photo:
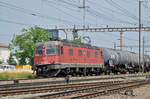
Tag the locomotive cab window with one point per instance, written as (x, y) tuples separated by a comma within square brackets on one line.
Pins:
[(80, 52), (70, 52), (39, 50), (95, 54), (88, 53), (50, 50), (57, 49)]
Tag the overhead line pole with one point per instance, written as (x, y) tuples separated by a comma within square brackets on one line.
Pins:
[(143, 67), (84, 10), (84, 13), (140, 35), (121, 41)]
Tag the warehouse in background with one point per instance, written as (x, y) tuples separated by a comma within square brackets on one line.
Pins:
[(4, 53)]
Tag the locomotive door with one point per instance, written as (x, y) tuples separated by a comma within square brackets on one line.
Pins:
[(62, 54), (66, 54)]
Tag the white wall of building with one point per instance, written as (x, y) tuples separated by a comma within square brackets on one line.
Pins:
[(4, 54)]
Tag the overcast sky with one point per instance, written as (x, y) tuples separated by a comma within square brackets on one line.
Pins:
[(18, 14)]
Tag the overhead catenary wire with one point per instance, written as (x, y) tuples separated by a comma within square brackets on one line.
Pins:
[(106, 9), (26, 24), (13, 22), (101, 15), (30, 12), (120, 8), (66, 5), (61, 4), (73, 5), (64, 12), (104, 16)]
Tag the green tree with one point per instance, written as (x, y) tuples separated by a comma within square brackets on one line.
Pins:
[(78, 40), (1, 62), (22, 46), (11, 60)]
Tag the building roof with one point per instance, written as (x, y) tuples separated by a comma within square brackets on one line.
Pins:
[(3, 45)]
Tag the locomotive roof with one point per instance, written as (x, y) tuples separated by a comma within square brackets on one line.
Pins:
[(67, 43), (82, 45)]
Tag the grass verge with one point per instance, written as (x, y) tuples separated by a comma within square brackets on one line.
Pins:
[(10, 75)]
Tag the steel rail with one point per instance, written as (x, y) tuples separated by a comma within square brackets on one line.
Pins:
[(7, 92), (5, 86), (84, 90), (109, 91)]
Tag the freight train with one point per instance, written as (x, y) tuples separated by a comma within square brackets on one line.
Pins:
[(60, 58)]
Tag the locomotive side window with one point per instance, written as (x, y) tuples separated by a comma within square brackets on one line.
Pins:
[(96, 54), (39, 50), (70, 52), (88, 53), (50, 50), (80, 52)]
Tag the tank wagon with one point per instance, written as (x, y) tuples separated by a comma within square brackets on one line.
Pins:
[(123, 61), (59, 58), (120, 61)]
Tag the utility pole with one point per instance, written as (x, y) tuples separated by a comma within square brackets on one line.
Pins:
[(143, 56), (121, 41), (114, 45), (84, 13), (140, 35), (84, 9), (74, 33)]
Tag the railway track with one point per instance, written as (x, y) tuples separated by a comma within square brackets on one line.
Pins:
[(52, 88), (40, 82), (93, 91), (63, 89)]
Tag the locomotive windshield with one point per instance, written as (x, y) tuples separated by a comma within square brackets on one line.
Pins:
[(52, 49), (39, 50)]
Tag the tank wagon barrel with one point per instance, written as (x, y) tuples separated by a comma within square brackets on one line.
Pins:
[(121, 60)]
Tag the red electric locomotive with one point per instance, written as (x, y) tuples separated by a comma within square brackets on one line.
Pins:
[(55, 58)]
